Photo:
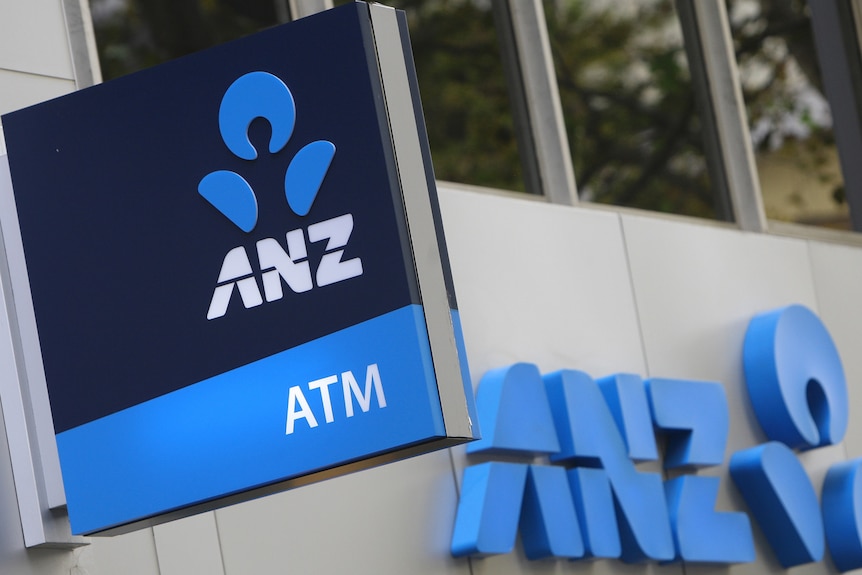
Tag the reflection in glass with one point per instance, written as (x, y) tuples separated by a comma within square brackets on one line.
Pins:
[(455, 44), (136, 34), (629, 105), (789, 116), (464, 93)]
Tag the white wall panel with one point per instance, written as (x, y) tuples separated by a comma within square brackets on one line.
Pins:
[(130, 554), (697, 287), (547, 285), (33, 38), (838, 279), (540, 283), (18, 90), (392, 519), (189, 545)]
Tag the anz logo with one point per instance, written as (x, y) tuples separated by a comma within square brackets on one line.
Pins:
[(590, 500), (263, 95)]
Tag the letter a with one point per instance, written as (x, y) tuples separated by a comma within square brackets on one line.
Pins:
[(234, 267)]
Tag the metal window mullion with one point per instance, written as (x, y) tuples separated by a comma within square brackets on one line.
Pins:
[(836, 43), (737, 154), (722, 207), (82, 43), (544, 114)]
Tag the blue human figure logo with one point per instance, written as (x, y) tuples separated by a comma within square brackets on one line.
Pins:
[(263, 95)]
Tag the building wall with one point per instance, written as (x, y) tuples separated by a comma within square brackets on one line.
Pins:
[(597, 290), (584, 288), (35, 54)]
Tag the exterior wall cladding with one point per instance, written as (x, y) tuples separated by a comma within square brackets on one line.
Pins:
[(598, 290)]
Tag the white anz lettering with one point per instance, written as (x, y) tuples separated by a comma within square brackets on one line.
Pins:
[(299, 408), (277, 265), (337, 231), (234, 270), (291, 266)]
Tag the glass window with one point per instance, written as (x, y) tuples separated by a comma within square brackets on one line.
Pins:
[(789, 116), (464, 93), (629, 103), (470, 126), (136, 34)]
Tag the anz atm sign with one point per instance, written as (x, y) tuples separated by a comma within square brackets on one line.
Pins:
[(237, 271), (590, 501)]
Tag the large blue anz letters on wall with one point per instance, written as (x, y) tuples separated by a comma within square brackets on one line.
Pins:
[(590, 501), (220, 254)]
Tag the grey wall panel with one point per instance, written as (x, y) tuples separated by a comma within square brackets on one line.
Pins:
[(130, 554), (547, 285), (18, 89), (35, 59), (189, 545), (697, 288), (540, 283), (837, 272), (33, 38), (392, 519)]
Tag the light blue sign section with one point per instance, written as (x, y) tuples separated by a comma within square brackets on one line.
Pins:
[(228, 434)]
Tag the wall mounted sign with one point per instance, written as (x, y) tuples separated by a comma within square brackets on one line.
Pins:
[(592, 502), (237, 271)]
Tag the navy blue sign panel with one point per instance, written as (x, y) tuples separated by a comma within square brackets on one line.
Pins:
[(222, 274)]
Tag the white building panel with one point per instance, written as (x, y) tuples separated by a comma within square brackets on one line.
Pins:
[(19, 90), (392, 519), (130, 554), (33, 39), (189, 545), (837, 272)]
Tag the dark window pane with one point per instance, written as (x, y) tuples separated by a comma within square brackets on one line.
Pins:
[(789, 116), (464, 93), (136, 34), (455, 45), (629, 105)]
